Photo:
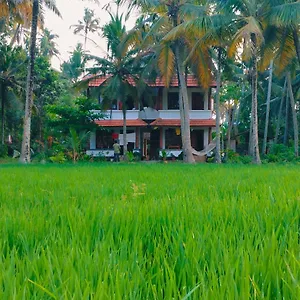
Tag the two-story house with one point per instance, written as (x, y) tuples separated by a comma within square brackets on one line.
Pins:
[(151, 128)]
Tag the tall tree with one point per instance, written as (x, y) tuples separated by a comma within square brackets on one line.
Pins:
[(89, 24), (12, 62), (74, 67), (48, 46), (264, 148), (119, 67), (295, 121), (25, 151), (172, 47)]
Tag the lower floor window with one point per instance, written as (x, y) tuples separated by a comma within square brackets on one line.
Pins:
[(104, 139), (173, 138)]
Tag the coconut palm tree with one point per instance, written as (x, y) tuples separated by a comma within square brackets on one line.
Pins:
[(17, 9), (12, 61), (171, 48), (119, 67), (48, 47), (249, 37), (74, 67), (36, 11), (87, 25)]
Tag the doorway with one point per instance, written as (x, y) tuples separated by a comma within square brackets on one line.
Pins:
[(151, 143), (197, 139)]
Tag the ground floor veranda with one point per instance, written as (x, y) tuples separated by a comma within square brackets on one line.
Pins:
[(149, 141)]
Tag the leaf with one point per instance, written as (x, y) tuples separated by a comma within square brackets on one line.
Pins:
[(166, 63)]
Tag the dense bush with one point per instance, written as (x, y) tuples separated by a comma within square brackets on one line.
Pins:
[(3, 151), (234, 158), (280, 153)]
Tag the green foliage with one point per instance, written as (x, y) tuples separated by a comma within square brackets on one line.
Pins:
[(76, 141), (3, 151), (58, 158), (74, 67), (235, 158), (164, 154), (146, 231), (130, 156), (280, 153), (80, 116)]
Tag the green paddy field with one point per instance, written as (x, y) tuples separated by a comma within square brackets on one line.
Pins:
[(149, 231)]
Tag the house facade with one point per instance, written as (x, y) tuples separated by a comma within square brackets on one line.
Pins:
[(154, 127)]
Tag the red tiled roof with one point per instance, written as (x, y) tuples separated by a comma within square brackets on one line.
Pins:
[(191, 82), (119, 123), (176, 123)]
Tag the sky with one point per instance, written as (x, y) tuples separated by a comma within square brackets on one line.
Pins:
[(72, 11)]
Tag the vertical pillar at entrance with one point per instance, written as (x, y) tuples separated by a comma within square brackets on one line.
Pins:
[(93, 140), (206, 137), (137, 138), (161, 138)]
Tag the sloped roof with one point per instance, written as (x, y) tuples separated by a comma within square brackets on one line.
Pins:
[(191, 82), (119, 123)]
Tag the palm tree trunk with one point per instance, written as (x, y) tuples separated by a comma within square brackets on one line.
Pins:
[(279, 113), (286, 128), (186, 133), (229, 129), (250, 147), (264, 148), (294, 114), (124, 133), (297, 44), (25, 152), (256, 156), (180, 101), (14, 38), (3, 94), (218, 130)]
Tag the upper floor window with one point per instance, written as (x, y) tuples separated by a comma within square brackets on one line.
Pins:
[(197, 101), (173, 100)]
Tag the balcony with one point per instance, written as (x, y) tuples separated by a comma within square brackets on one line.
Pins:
[(153, 114), (118, 114), (194, 114)]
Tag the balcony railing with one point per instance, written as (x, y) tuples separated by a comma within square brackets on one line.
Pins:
[(194, 114), (118, 114), (163, 114)]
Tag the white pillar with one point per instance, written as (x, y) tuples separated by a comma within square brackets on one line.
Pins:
[(164, 138), (206, 99), (93, 140), (206, 137)]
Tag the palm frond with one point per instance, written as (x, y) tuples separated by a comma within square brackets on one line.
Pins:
[(166, 63), (285, 15)]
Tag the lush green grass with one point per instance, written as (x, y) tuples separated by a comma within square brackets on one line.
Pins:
[(149, 232)]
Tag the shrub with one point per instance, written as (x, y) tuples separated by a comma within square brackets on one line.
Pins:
[(3, 151), (58, 158), (235, 158), (280, 153), (130, 156)]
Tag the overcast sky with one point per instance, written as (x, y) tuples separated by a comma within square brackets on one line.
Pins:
[(72, 11)]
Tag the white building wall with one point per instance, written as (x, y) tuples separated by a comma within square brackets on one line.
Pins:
[(130, 138)]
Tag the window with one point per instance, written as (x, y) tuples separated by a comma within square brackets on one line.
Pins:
[(173, 100), (172, 138), (197, 101), (104, 139)]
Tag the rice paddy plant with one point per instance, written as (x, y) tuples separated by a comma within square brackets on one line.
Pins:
[(164, 231)]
